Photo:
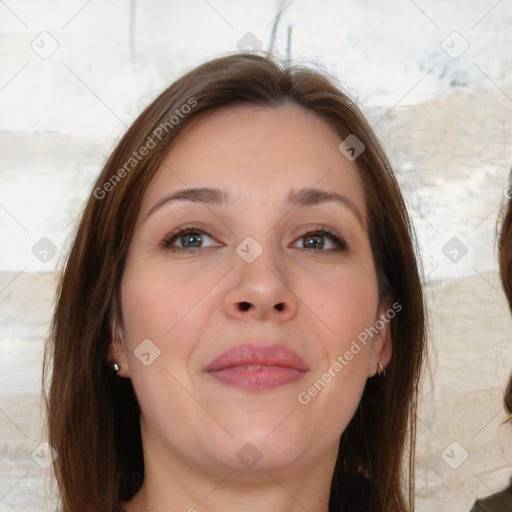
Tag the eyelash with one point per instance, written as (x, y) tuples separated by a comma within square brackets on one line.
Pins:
[(187, 230)]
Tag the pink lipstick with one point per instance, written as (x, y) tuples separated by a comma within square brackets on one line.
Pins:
[(258, 367)]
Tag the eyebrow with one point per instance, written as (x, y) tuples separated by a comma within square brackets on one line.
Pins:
[(302, 197)]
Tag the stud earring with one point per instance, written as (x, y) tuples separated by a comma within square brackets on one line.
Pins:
[(115, 367)]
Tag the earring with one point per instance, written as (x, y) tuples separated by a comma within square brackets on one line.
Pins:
[(380, 371), (115, 367)]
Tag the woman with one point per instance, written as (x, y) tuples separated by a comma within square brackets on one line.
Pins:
[(240, 322), (502, 501)]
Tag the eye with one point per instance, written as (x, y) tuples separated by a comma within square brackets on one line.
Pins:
[(322, 239), (192, 238), (187, 239)]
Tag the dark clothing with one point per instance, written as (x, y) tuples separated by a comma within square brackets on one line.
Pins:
[(499, 502)]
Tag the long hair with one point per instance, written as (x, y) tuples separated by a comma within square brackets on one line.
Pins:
[(93, 416), (505, 259)]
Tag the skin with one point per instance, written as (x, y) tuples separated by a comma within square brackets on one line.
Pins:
[(188, 305)]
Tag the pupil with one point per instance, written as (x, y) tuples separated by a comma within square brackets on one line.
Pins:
[(194, 240)]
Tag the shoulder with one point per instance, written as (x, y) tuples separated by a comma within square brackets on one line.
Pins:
[(499, 502), (477, 507)]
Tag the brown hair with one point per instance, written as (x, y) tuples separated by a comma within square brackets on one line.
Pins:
[(93, 415), (505, 255)]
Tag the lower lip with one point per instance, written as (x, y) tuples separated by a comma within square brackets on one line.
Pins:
[(262, 379)]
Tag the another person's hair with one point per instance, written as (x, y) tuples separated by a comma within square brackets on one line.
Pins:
[(505, 255), (93, 415)]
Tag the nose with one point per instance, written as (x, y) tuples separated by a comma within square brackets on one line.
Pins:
[(260, 290)]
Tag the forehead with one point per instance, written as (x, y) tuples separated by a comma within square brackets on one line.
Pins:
[(259, 154)]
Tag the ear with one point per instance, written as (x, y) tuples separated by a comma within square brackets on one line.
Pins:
[(117, 350), (381, 345)]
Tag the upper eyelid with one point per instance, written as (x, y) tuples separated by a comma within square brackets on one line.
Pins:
[(197, 229)]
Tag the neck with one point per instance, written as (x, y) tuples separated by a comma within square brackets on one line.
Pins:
[(170, 487)]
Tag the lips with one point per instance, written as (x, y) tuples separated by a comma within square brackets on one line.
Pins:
[(258, 367)]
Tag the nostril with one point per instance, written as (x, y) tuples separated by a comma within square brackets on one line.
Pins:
[(244, 306), (279, 306)]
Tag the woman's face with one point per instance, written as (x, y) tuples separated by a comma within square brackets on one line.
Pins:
[(248, 277)]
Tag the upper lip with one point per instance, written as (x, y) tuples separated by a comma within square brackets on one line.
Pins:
[(256, 354)]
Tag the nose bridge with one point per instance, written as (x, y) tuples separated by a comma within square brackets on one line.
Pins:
[(261, 263), (261, 286)]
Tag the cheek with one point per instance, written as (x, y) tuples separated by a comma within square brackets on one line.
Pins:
[(163, 306), (157, 302), (348, 306)]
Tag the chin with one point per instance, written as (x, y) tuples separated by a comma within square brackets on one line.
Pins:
[(268, 446)]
